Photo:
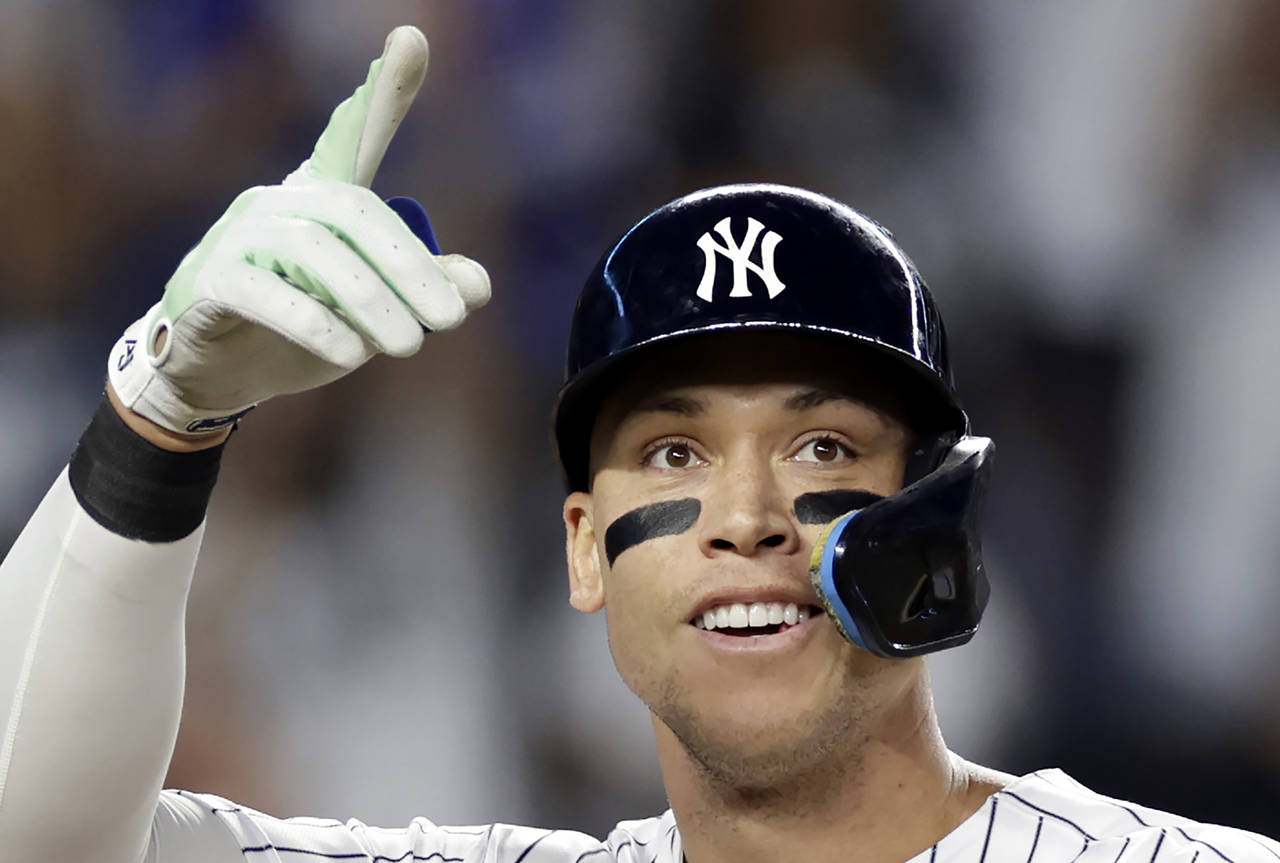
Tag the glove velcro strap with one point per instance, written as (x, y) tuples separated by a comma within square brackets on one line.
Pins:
[(136, 489)]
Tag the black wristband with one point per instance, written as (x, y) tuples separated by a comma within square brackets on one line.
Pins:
[(136, 489)]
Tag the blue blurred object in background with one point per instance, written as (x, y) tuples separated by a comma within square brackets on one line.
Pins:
[(414, 215)]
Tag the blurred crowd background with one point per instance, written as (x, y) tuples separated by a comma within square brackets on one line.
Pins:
[(379, 627)]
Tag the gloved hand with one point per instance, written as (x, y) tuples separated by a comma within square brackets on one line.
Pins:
[(298, 284)]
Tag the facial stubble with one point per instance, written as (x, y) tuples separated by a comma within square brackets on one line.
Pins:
[(791, 763)]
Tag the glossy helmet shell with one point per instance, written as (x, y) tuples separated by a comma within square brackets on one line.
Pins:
[(753, 257)]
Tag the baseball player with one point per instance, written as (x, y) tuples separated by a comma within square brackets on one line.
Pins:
[(772, 490)]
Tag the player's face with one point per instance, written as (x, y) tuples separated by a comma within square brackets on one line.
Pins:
[(692, 519)]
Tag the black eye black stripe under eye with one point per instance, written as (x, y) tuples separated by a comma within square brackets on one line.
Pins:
[(820, 507), (657, 519)]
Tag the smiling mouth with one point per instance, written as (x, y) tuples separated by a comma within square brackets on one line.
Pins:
[(758, 618)]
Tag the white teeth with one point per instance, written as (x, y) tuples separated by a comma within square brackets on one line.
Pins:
[(738, 615)]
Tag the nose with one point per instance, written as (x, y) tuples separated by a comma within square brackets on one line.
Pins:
[(746, 513)]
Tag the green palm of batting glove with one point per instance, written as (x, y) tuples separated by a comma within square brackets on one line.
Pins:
[(298, 284)]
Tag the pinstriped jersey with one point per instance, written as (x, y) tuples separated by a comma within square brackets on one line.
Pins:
[(1048, 817), (1045, 817)]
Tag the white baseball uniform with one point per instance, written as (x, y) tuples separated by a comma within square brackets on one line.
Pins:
[(91, 674)]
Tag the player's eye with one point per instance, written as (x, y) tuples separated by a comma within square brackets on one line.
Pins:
[(673, 455), (823, 449)]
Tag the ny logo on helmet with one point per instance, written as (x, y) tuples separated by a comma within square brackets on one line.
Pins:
[(740, 256)]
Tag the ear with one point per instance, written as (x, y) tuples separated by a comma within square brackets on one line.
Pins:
[(586, 586)]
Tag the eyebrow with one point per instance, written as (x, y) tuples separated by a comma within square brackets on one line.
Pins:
[(686, 406), (812, 398), (681, 405)]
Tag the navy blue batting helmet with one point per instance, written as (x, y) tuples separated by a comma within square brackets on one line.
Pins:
[(752, 256)]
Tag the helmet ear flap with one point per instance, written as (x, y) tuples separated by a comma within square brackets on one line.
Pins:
[(903, 576), (926, 455)]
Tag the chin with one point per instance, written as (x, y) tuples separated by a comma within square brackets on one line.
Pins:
[(759, 740)]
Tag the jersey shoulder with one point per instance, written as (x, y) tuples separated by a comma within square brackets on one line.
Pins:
[(648, 839), (1048, 816), (205, 828)]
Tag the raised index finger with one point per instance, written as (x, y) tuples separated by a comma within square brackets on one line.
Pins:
[(351, 147)]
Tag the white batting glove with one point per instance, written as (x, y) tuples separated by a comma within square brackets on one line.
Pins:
[(298, 284)]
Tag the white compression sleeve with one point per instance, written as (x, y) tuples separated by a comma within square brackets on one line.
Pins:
[(91, 676)]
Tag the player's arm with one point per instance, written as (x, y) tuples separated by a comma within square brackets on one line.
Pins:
[(295, 286)]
